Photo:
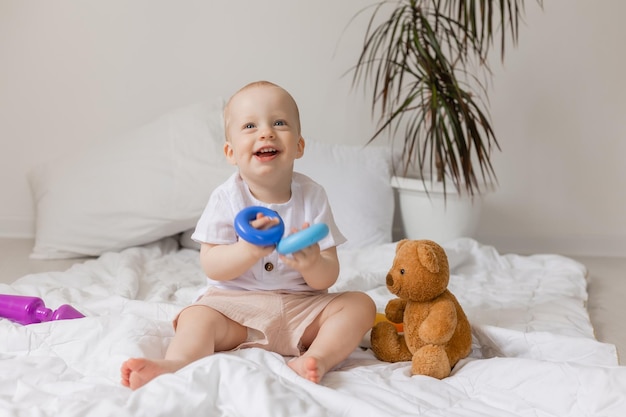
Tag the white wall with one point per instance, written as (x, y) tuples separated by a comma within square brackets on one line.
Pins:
[(74, 72), (559, 109)]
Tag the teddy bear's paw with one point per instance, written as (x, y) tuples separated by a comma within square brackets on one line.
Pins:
[(431, 360), (387, 344)]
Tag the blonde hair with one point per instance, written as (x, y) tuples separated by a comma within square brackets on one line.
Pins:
[(256, 84)]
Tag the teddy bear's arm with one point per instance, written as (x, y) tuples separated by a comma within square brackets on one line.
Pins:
[(394, 311), (438, 327)]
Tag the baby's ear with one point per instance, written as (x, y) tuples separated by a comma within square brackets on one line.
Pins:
[(301, 145), (229, 153)]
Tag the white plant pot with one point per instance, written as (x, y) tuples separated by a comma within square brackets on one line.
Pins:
[(427, 213)]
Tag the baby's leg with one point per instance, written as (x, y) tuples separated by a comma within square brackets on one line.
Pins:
[(200, 332), (334, 334)]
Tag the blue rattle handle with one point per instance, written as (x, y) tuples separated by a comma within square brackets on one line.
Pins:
[(273, 236), (255, 236), (302, 239)]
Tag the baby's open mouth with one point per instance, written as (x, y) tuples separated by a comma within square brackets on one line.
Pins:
[(265, 152)]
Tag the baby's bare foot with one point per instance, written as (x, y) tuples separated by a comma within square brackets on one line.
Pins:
[(307, 367), (136, 372)]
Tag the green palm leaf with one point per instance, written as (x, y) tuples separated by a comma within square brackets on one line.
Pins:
[(425, 64)]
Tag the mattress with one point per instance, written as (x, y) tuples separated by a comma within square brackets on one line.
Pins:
[(533, 353)]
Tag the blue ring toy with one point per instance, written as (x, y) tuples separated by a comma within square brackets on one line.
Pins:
[(273, 236), (248, 233), (302, 239)]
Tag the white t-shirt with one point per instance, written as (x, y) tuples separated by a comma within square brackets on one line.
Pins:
[(308, 203)]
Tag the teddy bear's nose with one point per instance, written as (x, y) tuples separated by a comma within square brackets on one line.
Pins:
[(389, 280)]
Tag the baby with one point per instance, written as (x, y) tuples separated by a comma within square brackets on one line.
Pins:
[(256, 297)]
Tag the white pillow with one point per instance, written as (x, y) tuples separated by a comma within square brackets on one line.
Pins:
[(146, 184), (357, 182)]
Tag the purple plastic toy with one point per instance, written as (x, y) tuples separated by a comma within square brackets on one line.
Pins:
[(28, 310)]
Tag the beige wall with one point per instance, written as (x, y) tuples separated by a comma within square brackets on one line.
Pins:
[(76, 71)]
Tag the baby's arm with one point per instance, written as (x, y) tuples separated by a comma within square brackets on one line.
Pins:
[(226, 262), (320, 269), (322, 274)]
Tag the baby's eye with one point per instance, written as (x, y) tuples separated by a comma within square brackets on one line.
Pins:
[(279, 123), (249, 126)]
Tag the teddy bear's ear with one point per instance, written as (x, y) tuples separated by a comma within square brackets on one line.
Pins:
[(400, 243), (428, 258)]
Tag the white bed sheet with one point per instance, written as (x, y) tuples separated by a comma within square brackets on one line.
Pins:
[(534, 353)]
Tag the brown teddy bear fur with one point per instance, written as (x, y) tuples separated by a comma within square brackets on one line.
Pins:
[(437, 333)]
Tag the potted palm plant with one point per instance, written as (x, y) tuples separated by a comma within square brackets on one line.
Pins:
[(425, 64)]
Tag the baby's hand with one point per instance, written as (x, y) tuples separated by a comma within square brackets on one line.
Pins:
[(305, 258), (261, 222)]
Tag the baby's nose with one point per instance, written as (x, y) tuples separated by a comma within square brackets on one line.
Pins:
[(267, 133)]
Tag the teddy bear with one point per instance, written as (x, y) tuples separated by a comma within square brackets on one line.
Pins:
[(437, 333)]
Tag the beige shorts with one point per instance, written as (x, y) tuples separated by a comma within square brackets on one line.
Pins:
[(276, 321)]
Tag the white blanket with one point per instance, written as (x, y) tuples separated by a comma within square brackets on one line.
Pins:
[(534, 353)]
